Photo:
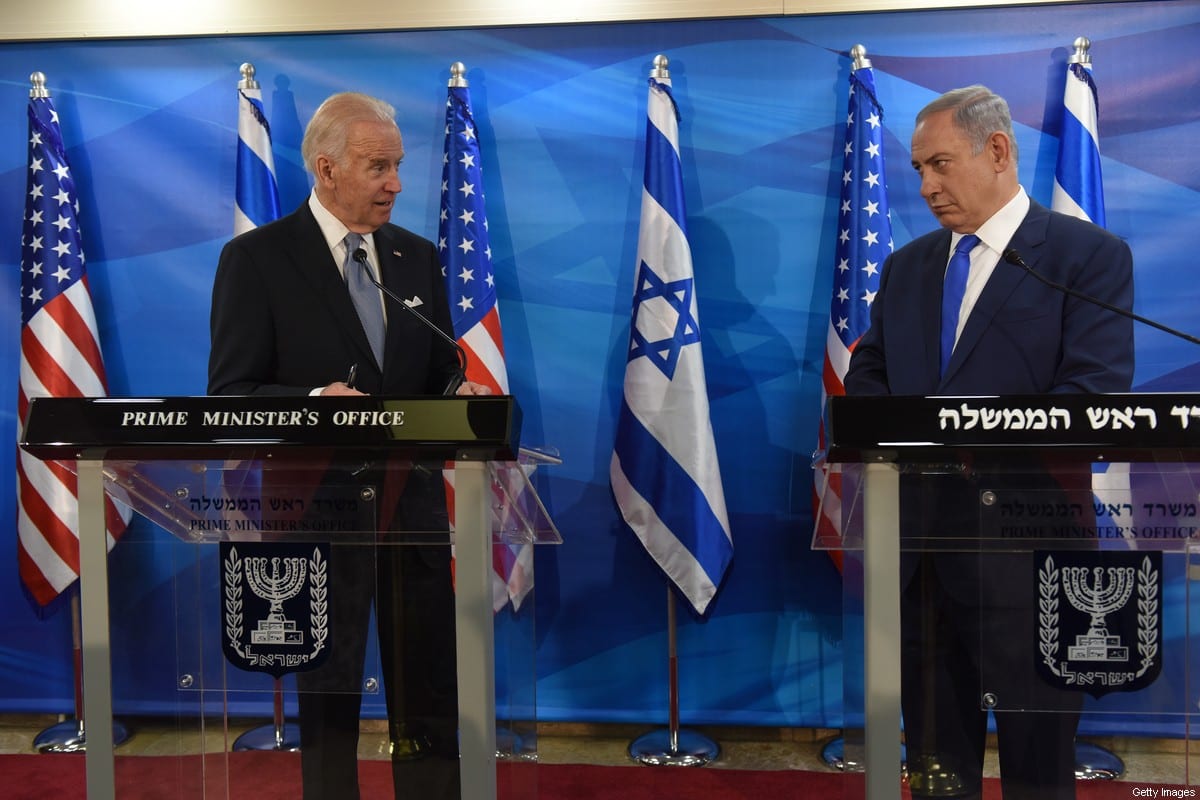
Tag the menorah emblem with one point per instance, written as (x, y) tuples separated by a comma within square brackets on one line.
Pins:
[(1109, 590), (276, 580)]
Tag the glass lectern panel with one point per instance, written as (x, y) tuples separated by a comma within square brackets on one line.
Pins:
[(285, 574), (1063, 592)]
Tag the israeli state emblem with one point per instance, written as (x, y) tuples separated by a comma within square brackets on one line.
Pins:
[(1099, 621), (275, 605)]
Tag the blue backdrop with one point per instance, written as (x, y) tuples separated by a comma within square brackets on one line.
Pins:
[(151, 131)]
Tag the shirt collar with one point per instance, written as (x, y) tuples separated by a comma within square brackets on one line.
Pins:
[(334, 230), (999, 229)]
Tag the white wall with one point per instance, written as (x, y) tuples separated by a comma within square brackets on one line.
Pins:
[(86, 19)]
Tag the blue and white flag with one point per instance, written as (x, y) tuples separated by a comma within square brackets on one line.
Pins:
[(1078, 184), (256, 203), (1079, 192), (664, 468), (257, 200)]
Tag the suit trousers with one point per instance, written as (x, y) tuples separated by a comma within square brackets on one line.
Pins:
[(411, 591), (954, 650)]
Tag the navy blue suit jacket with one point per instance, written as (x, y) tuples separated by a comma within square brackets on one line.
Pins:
[(283, 321), (1022, 337)]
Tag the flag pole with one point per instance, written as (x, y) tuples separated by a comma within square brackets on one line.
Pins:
[(692, 543), (69, 736), (278, 735), (673, 747), (863, 151), (1092, 762)]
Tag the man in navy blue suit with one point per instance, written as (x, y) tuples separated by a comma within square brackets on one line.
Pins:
[(1014, 335), (284, 323)]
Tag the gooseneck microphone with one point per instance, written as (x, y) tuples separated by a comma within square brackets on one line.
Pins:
[(1014, 258), (456, 380)]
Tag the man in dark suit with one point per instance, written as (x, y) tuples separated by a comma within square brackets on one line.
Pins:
[(284, 322), (967, 618)]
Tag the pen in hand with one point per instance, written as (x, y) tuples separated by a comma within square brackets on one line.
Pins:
[(351, 376)]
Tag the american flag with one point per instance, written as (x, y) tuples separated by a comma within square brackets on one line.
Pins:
[(466, 260), (60, 356), (664, 469), (864, 241)]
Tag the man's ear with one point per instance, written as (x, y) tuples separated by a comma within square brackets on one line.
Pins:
[(1000, 148), (324, 170)]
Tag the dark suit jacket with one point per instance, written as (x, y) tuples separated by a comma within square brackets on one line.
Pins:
[(1022, 337), (283, 321)]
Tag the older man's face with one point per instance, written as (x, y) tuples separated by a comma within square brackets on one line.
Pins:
[(362, 188)]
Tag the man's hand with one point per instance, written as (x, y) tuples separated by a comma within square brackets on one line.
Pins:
[(340, 389), (469, 387)]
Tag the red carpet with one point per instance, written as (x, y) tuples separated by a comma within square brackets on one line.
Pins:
[(276, 776)]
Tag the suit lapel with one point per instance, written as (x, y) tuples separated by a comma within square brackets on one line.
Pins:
[(400, 281), (315, 265), (934, 263)]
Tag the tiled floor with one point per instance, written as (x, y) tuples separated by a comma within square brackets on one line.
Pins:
[(1147, 761)]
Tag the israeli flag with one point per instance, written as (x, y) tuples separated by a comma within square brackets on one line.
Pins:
[(257, 201), (1078, 184), (1079, 192), (664, 468)]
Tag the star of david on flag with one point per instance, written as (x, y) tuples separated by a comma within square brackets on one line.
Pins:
[(664, 469), (655, 303)]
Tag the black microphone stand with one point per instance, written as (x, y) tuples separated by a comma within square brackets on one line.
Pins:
[(1014, 258), (456, 380)]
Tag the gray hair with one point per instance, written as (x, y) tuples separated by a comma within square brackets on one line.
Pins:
[(329, 127), (978, 112)]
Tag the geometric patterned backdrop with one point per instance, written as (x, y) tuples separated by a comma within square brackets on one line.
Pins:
[(150, 127)]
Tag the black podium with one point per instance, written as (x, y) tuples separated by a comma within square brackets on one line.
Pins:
[(241, 470), (1088, 503)]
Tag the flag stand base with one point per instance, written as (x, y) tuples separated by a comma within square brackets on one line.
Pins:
[(512, 746), (690, 749), (1093, 762), (285, 739), (68, 737), (279, 735), (834, 754)]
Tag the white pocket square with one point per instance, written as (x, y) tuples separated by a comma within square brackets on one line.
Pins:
[(416, 301)]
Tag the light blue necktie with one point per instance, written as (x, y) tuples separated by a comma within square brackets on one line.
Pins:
[(952, 294), (365, 296)]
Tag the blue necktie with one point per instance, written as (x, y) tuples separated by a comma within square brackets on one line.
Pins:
[(952, 294), (365, 296)]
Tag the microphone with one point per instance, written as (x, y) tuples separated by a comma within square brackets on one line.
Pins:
[(456, 380), (1014, 258)]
